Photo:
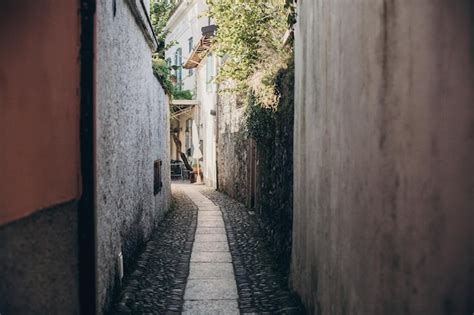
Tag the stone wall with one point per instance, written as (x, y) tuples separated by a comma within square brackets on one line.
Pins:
[(384, 144), (132, 132), (232, 149), (272, 130), (240, 122)]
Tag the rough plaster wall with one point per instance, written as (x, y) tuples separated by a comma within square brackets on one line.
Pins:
[(39, 263), (232, 149), (160, 149), (384, 132), (132, 132)]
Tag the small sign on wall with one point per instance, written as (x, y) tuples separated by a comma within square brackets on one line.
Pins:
[(157, 183)]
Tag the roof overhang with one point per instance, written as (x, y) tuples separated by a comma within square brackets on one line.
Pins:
[(185, 102), (182, 108)]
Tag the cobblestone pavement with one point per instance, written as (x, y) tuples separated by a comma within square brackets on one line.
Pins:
[(157, 284), (208, 256), (262, 286)]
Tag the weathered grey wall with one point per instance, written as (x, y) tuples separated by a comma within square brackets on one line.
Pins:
[(39, 263), (132, 132), (232, 149), (384, 136)]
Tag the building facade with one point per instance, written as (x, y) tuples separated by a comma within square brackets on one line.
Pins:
[(195, 69)]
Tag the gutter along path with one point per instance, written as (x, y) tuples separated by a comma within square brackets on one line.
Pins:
[(207, 256)]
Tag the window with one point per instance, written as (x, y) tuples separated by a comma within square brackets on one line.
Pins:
[(190, 49), (190, 44), (169, 62), (178, 61)]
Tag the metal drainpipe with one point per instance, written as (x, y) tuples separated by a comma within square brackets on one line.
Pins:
[(217, 128), (86, 213)]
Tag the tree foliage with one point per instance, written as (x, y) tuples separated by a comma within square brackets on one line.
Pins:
[(250, 40), (160, 11), (162, 72)]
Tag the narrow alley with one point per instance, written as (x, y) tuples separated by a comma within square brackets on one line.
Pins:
[(236, 157), (207, 256)]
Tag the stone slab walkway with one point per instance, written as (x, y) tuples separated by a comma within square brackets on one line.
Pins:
[(211, 286), (207, 256)]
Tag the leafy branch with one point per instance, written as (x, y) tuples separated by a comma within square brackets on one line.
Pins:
[(250, 36)]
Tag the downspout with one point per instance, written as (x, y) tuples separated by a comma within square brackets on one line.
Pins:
[(86, 213), (217, 129)]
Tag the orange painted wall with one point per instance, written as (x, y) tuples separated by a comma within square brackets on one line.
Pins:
[(39, 105)]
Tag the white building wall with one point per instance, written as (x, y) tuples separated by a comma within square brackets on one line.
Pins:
[(207, 123), (185, 23)]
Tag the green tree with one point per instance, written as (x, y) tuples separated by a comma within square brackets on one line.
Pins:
[(250, 40), (160, 11)]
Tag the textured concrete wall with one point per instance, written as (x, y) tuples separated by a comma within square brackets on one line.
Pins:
[(160, 144), (39, 105), (384, 145), (232, 149), (39, 263), (132, 132)]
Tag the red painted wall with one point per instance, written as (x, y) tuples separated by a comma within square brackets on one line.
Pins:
[(39, 105)]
